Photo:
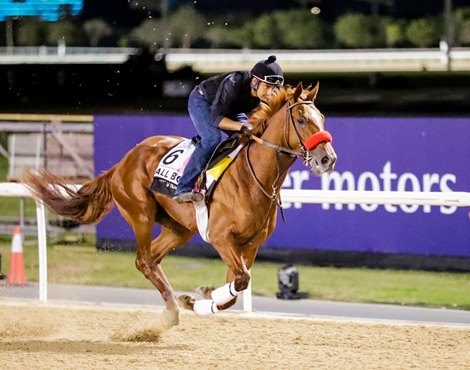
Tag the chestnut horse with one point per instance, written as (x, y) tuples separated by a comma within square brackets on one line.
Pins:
[(243, 206)]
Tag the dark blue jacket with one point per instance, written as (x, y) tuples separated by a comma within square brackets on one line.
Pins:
[(229, 94)]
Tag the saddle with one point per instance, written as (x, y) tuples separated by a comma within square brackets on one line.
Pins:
[(171, 167)]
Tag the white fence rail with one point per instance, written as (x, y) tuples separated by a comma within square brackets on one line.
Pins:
[(359, 60), (223, 60), (456, 199)]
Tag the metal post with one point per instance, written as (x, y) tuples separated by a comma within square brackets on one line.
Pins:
[(247, 298), (42, 250)]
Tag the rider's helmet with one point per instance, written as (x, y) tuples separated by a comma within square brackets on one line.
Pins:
[(268, 71)]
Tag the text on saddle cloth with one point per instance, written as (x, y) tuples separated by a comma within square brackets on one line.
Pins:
[(171, 167)]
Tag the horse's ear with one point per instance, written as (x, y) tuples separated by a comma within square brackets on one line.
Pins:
[(298, 91), (313, 94)]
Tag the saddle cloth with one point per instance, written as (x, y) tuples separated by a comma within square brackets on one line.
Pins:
[(172, 165)]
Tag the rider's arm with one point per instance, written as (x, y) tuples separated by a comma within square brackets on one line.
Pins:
[(229, 124), (228, 92)]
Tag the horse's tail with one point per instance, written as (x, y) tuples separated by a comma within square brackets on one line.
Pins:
[(87, 205)]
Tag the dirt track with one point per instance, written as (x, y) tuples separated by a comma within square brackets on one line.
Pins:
[(35, 336)]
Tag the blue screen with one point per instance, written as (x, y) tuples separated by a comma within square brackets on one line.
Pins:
[(47, 10), (374, 153)]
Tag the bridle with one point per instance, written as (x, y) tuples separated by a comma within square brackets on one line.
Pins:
[(305, 145)]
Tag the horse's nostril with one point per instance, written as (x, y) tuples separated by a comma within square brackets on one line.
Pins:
[(325, 160)]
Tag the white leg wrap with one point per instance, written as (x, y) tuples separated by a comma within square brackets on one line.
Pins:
[(205, 307), (224, 294)]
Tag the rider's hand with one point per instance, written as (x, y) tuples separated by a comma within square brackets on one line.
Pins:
[(246, 128)]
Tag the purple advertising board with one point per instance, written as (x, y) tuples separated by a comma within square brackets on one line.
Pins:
[(402, 154)]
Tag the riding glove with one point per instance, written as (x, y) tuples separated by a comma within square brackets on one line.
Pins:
[(246, 128)]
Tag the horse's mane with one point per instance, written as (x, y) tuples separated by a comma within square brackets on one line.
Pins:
[(259, 118)]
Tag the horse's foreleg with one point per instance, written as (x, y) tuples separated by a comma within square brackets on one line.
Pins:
[(216, 299), (238, 278)]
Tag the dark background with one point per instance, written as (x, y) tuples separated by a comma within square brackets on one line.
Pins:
[(124, 13), (137, 85)]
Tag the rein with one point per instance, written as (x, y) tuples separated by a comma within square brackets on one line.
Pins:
[(274, 197), (276, 147)]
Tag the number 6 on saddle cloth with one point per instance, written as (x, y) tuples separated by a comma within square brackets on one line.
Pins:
[(171, 167)]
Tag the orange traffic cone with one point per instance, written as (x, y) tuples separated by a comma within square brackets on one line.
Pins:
[(16, 274)]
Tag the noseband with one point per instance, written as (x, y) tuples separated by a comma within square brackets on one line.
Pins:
[(305, 145)]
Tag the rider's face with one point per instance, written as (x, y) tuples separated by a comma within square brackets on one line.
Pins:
[(266, 91)]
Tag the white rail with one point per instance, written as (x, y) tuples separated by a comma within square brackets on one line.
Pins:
[(456, 199), (223, 60), (67, 55), (220, 60)]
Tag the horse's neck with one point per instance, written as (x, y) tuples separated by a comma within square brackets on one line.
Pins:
[(270, 167), (275, 130)]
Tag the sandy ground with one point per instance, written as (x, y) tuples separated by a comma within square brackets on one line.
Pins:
[(39, 336)]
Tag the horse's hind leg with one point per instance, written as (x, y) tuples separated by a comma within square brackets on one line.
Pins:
[(148, 262), (166, 242), (150, 253)]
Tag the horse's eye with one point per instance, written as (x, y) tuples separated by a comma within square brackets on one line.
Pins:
[(301, 121)]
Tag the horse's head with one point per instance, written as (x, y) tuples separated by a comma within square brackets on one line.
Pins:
[(306, 130)]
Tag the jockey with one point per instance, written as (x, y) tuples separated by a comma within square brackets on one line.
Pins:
[(221, 103)]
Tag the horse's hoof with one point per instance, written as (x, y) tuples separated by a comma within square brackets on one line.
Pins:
[(187, 302), (205, 291), (171, 317)]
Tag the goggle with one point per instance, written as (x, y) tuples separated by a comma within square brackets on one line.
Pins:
[(273, 80)]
